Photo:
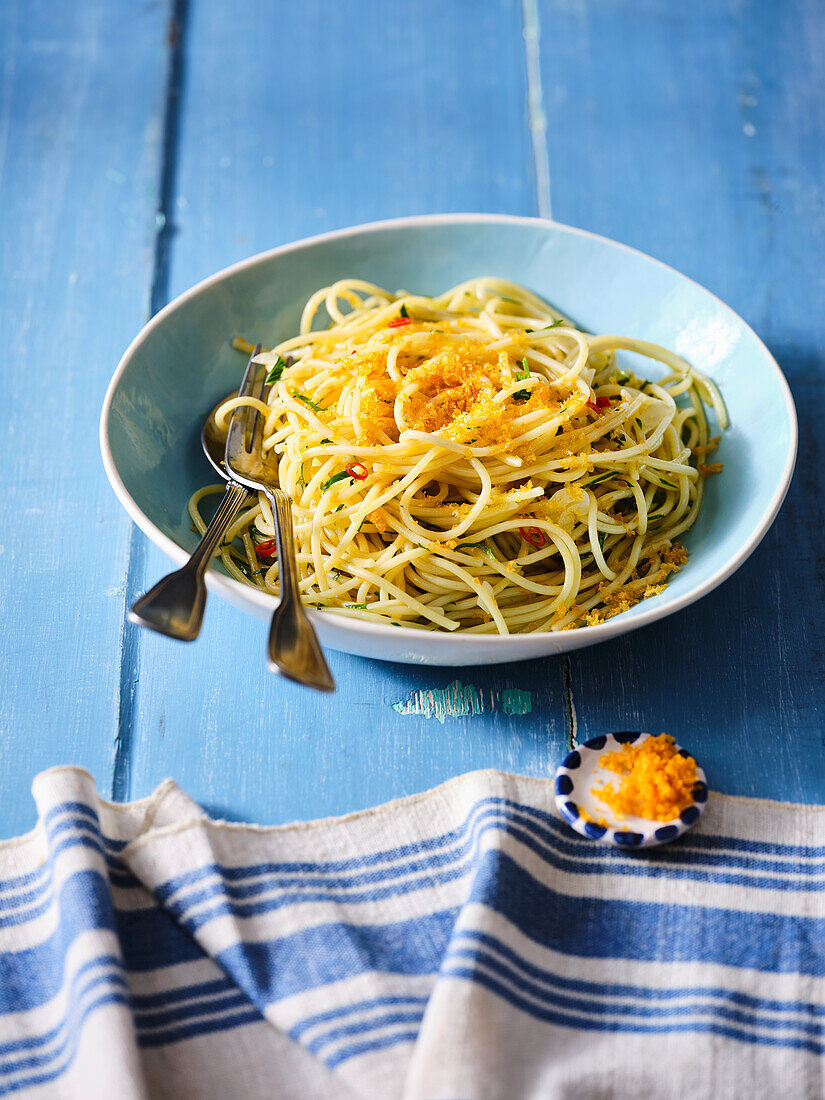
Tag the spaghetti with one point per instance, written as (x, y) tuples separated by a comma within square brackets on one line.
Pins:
[(472, 462)]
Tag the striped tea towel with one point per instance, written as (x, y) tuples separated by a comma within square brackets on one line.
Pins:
[(462, 944)]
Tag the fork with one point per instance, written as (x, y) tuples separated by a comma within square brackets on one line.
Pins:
[(293, 648)]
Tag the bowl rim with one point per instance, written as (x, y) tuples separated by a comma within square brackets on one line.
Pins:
[(238, 593)]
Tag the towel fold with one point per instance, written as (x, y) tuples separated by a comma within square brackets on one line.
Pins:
[(461, 944)]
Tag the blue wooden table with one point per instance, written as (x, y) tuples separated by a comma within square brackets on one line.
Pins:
[(144, 146)]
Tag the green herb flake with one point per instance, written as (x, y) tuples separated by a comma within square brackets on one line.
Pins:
[(325, 440), (596, 480), (524, 372), (476, 546), (342, 475), (521, 395), (276, 370), (356, 606), (622, 377), (556, 323), (308, 402), (340, 506), (404, 311)]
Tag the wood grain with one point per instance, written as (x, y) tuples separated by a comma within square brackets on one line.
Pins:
[(701, 134), (80, 101)]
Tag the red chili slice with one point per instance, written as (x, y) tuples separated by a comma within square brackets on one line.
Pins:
[(534, 536), (397, 322), (603, 402), (357, 470), (266, 549), (592, 405)]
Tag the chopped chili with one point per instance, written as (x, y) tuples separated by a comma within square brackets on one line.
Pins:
[(396, 322), (266, 549), (357, 470), (534, 536), (599, 404)]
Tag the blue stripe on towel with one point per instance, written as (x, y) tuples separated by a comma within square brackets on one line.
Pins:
[(586, 1023), (609, 928), (675, 864), (625, 990)]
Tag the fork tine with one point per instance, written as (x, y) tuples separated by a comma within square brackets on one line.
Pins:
[(236, 439), (256, 438)]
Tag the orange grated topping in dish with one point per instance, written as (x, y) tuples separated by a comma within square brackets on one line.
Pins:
[(656, 781), (585, 816)]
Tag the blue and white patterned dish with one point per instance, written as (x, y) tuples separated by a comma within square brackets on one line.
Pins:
[(580, 771)]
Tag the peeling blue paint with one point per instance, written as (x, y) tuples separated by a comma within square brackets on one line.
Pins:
[(459, 700), (514, 701)]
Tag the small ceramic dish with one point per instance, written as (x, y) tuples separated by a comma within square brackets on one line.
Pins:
[(579, 772), (182, 363)]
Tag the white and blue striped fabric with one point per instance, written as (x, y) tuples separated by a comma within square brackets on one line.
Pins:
[(462, 944)]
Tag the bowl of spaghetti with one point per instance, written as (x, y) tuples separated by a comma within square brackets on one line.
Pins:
[(503, 438)]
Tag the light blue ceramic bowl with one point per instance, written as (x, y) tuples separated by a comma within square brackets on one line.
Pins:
[(181, 363)]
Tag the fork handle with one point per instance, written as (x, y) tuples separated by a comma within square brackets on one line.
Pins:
[(175, 605), (294, 649)]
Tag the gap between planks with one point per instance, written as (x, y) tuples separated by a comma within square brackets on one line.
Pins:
[(158, 296), (536, 117)]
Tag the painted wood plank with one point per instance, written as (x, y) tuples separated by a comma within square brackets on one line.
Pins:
[(326, 121), (423, 109), (697, 133), (81, 90)]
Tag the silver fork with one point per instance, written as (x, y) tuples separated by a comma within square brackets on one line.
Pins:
[(294, 649)]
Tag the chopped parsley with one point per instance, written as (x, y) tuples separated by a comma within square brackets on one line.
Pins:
[(309, 402), (356, 606), (475, 546), (404, 311), (276, 370), (596, 480), (522, 373), (342, 475)]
